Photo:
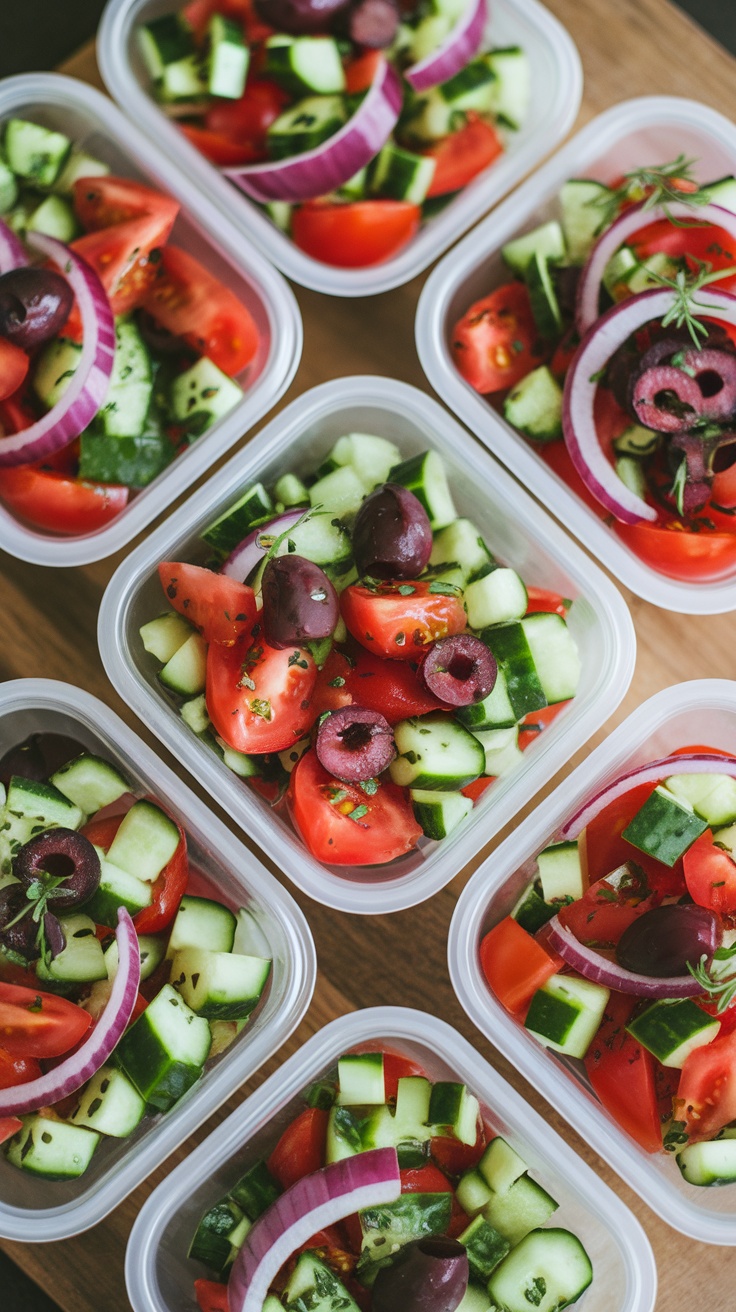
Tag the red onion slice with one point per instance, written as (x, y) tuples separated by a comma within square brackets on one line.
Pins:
[(600, 342), (591, 965), (460, 46), (625, 226), (88, 387), (249, 553), (12, 252), (316, 1201), (72, 1073), (653, 773), (319, 171)]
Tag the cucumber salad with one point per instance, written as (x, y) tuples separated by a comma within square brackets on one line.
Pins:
[(613, 350), (118, 349), (621, 955), (356, 654), (119, 978), (387, 1192), (350, 120)]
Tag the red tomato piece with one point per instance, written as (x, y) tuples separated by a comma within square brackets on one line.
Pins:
[(220, 607), (463, 155), (622, 1074), (671, 549), (476, 789), (536, 721), (600, 916), (330, 690), (106, 201), (259, 698), (246, 121), (218, 148), (395, 1068), (361, 71), (563, 356), (16, 1070), (454, 1157), (497, 343), (515, 965), (121, 256), (301, 1149), (389, 686), (706, 1094), (355, 234), (427, 1179), (192, 303), (693, 242), (36, 1024), (211, 1296), (541, 599), (710, 875), (322, 808), (396, 626), (16, 413), (9, 1125), (14, 364), (60, 504), (605, 850)]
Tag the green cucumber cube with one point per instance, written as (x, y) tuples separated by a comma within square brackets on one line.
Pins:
[(455, 1111), (485, 1247), (565, 1014), (664, 827), (673, 1028), (110, 1104), (164, 1051), (711, 796), (145, 842), (219, 985), (501, 1166), (202, 923), (164, 636), (361, 1079), (54, 1149), (524, 1207), (472, 1193), (561, 872)]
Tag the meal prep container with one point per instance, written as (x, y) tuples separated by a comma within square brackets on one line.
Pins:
[(31, 1209), (94, 123), (556, 80), (645, 131), (159, 1275), (515, 529), (702, 711)]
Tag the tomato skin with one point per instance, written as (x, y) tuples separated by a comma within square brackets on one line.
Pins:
[(541, 599), (211, 1296), (477, 788), (397, 1067), (120, 256), (677, 553), (192, 303), (360, 71), (218, 148), (9, 1125), (723, 489), (515, 964), (537, 721), (605, 850), (14, 365), (694, 242), (496, 342), (387, 830), (400, 627), (245, 122), (106, 201), (220, 607), (427, 1179), (36, 1024), (710, 875), (463, 155), (391, 687), (454, 1157), (622, 1074), (706, 1094), (301, 1149), (59, 504), (330, 690), (281, 696), (15, 1070), (355, 234)]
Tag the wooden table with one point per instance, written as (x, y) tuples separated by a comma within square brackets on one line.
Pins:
[(629, 48)]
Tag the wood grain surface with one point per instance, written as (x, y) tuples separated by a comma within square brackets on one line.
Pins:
[(630, 47)]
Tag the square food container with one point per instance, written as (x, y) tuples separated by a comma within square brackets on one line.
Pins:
[(92, 121), (159, 1275), (515, 529), (556, 80), (649, 130), (31, 1209), (701, 711)]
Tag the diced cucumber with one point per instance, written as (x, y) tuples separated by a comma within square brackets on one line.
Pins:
[(711, 796), (194, 714), (90, 782), (501, 1166), (425, 476), (583, 213), (723, 192), (636, 441), (402, 175), (546, 240), (475, 1299), (212, 1242), (531, 911), (726, 839), (164, 1051), (565, 1014), (343, 1135), (164, 636), (461, 544), (472, 1193), (30, 808), (497, 598), (305, 64), (356, 187), (428, 35), (79, 165), (52, 1148), (673, 1028), (128, 397), (664, 827), (520, 1209), (202, 923), (34, 152), (511, 648), (453, 1110), (439, 813), (54, 368), (406, 1129), (219, 985), (555, 655), (145, 842), (631, 474), (547, 1270), (8, 188), (485, 1247), (543, 296), (202, 395), (151, 949), (234, 524), (110, 1104), (494, 712), (162, 41), (360, 1079), (534, 406), (339, 492), (82, 960), (117, 888), (313, 1284), (185, 671), (239, 762), (561, 872), (501, 750), (255, 1191), (388, 1227), (709, 1163), (649, 274), (55, 217), (321, 537), (280, 212), (183, 82), (305, 125), (511, 85), (228, 58), (435, 752), (290, 491), (618, 271)]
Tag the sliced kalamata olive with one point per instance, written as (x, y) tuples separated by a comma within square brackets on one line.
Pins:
[(371, 23), (714, 372), (459, 670), (355, 744), (665, 940), (427, 1275), (21, 936), (65, 855), (38, 756), (666, 399), (35, 304), (54, 934), (299, 602), (392, 535), (299, 16)]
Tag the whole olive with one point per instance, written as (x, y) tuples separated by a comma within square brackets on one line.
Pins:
[(65, 855), (299, 602), (38, 756), (34, 305), (300, 16), (664, 941), (392, 535), (428, 1275)]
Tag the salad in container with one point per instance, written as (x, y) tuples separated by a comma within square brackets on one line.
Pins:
[(390, 1181)]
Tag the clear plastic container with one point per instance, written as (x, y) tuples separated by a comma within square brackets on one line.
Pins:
[(702, 711), (645, 131), (515, 529), (556, 79), (93, 122), (159, 1275), (31, 1209)]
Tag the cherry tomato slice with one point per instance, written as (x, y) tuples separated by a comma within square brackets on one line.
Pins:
[(397, 626), (36, 1024), (220, 607), (259, 698), (497, 343), (14, 365), (356, 234), (192, 303), (59, 504), (322, 808), (463, 155), (301, 1149)]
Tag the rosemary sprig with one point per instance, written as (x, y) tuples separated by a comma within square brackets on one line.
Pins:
[(655, 185), (722, 988), (686, 285)]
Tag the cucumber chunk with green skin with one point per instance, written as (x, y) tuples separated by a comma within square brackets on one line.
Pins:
[(344, 1138), (90, 783), (164, 636), (228, 58), (305, 125), (361, 1079), (453, 1110), (510, 646), (387, 1227), (162, 41), (547, 1270), (54, 217), (255, 1191), (186, 671), (212, 1242), (709, 1163), (183, 81), (711, 796), (247, 767), (511, 86), (79, 165), (561, 872), (485, 1247), (164, 1051), (54, 1149), (531, 911), (219, 985), (425, 476), (723, 192), (305, 64), (145, 842), (534, 406), (673, 1028), (290, 491), (461, 544), (664, 827), (117, 888), (8, 188), (498, 598), (494, 712), (630, 472), (543, 296), (435, 752), (202, 923), (125, 407), (472, 1193), (583, 202), (547, 240), (520, 1209), (407, 1125), (313, 1284), (82, 959), (194, 714), (226, 532), (151, 950), (475, 1299), (31, 807), (501, 1166), (340, 492), (401, 175), (501, 750), (439, 813), (110, 1104), (54, 369), (565, 1014), (133, 461), (202, 395), (35, 153), (555, 655)]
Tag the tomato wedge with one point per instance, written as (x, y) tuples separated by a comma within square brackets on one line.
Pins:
[(496, 343), (258, 698), (454, 1157), (622, 1074), (515, 965), (211, 1295), (105, 201), (16, 1070), (355, 234), (391, 687), (60, 504), (14, 365), (220, 607), (36, 1024), (398, 626), (322, 809), (710, 875), (675, 551), (301, 1149), (706, 1094), (121, 256), (192, 303), (463, 155)]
